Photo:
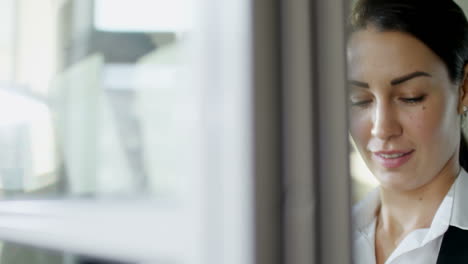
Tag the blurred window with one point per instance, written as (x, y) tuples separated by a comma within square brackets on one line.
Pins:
[(122, 123)]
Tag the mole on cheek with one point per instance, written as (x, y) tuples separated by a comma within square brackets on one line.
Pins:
[(424, 108)]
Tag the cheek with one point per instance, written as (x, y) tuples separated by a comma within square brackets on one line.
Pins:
[(420, 123), (430, 124), (360, 129)]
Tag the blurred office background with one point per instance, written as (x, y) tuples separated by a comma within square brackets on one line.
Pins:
[(124, 131), (181, 131)]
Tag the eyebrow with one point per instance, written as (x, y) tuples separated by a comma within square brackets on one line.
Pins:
[(410, 76), (395, 81), (357, 83)]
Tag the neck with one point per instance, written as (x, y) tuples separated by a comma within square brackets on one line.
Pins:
[(404, 211)]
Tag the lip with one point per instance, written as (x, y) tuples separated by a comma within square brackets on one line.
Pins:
[(392, 163)]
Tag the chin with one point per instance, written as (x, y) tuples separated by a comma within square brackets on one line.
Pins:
[(397, 181), (399, 187)]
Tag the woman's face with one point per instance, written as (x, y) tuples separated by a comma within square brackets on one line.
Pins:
[(404, 108)]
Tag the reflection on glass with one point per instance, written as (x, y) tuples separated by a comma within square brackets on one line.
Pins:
[(96, 100), (27, 156), (146, 15), (13, 253)]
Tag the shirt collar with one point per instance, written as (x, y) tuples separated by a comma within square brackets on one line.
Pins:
[(459, 215), (364, 212), (452, 210)]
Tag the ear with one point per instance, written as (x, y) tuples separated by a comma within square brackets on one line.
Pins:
[(463, 101)]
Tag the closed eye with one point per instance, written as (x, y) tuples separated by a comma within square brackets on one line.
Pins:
[(361, 103), (413, 100)]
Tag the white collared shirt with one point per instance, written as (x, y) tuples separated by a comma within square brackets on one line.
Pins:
[(421, 246)]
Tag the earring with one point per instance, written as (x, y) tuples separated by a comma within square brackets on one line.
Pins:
[(465, 109)]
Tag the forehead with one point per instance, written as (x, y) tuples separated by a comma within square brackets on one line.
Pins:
[(389, 54)]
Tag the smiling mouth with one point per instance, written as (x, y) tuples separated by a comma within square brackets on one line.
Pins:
[(392, 159), (393, 156)]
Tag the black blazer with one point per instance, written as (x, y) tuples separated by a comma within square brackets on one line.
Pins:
[(454, 248)]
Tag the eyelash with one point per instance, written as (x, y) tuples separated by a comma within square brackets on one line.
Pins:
[(361, 103), (412, 100)]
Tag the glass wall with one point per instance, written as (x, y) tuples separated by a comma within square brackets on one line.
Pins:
[(125, 130), (19, 254), (99, 98)]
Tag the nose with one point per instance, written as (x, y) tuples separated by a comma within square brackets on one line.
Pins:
[(386, 122)]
